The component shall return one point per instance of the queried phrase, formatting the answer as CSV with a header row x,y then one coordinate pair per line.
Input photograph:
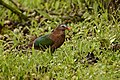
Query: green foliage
x,y
93,34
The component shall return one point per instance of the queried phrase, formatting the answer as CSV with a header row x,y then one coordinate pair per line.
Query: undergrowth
x,y
94,32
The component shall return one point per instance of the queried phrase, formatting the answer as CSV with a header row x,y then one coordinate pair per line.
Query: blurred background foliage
x,y
67,9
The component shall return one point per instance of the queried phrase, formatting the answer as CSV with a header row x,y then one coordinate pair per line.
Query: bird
x,y
53,40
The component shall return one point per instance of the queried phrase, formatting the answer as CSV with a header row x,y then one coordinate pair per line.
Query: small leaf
x,y
112,39
44,14
57,5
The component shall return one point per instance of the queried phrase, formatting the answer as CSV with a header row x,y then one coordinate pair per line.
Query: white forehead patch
x,y
64,25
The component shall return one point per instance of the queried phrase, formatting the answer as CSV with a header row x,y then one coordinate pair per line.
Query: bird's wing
x,y
43,41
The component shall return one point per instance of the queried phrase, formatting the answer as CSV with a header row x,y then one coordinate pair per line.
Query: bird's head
x,y
63,27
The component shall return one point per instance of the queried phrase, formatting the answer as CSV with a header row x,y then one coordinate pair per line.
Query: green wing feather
x,y
43,42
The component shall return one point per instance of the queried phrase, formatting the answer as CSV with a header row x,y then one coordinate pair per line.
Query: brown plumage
x,y
53,40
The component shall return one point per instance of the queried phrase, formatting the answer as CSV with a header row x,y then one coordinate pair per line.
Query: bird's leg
x,y
52,50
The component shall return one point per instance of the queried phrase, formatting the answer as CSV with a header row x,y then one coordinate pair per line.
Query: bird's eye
x,y
63,25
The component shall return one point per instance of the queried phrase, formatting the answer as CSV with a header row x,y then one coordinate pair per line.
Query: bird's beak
x,y
68,28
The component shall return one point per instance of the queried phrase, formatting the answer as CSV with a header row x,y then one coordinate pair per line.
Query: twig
x,y
14,10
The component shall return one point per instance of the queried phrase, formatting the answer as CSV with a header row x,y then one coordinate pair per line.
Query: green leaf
x,y
46,15
57,5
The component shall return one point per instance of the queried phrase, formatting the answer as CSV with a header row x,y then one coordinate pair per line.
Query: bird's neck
x,y
58,33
